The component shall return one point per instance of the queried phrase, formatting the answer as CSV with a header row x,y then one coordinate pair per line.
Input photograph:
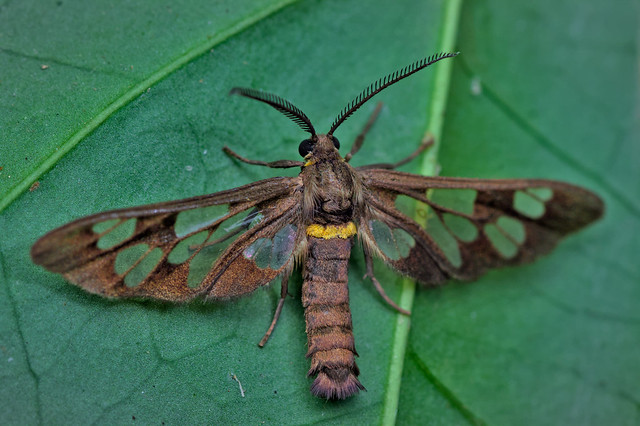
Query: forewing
x,y
181,249
469,225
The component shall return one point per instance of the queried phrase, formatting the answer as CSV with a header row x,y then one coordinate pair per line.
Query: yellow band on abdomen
x,y
332,231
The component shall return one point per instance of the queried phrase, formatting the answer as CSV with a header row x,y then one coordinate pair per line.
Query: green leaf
x,y
133,109
553,342
544,89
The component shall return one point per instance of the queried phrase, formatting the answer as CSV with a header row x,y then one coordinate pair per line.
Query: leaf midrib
x,y
439,95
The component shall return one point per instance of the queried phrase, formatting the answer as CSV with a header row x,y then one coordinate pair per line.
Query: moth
x,y
229,243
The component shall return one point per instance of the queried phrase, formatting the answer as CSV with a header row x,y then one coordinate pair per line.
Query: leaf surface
x,y
542,90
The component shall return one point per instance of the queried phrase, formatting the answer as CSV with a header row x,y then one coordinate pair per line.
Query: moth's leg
x,y
369,262
280,164
357,144
426,143
283,294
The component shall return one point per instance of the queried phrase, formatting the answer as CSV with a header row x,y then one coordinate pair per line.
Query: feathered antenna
x,y
282,105
383,83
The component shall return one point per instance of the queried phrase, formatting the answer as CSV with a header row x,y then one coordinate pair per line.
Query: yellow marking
x,y
331,231
310,162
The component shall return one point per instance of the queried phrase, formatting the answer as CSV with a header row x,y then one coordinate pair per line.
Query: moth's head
x,y
325,143
321,142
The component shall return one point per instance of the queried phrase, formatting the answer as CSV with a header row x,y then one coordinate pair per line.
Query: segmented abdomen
x,y
325,297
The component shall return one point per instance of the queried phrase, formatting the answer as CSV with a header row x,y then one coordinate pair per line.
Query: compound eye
x,y
336,142
305,147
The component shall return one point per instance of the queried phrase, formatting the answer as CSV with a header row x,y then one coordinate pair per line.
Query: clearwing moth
x,y
229,243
